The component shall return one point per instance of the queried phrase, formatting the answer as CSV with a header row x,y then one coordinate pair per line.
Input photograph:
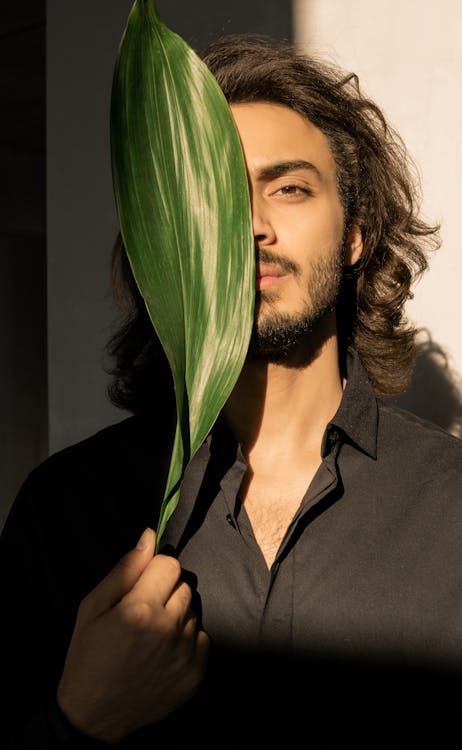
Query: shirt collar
x,y
356,419
357,415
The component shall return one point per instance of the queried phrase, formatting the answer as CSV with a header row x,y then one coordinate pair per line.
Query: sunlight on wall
x,y
409,59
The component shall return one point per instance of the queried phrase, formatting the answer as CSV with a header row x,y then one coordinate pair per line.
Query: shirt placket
x,y
280,601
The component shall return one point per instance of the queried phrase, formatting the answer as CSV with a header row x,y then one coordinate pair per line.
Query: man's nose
x,y
263,229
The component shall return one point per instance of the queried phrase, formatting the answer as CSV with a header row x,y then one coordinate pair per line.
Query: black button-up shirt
x,y
369,565
353,638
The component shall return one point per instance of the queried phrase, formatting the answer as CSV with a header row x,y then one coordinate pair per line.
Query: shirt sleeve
x,y
64,734
39,597
74,517
48,729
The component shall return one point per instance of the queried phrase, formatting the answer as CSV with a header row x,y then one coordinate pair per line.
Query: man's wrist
x,y
64,733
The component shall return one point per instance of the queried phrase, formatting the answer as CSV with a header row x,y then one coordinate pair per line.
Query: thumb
x,y
123,576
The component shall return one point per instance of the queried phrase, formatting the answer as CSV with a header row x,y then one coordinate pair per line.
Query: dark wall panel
x,y
82,40
23,371
204,20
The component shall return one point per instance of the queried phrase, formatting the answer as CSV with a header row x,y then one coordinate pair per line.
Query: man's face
x,y
298,223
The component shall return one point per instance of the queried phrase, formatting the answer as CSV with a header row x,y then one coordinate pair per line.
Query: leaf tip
x,y
148,8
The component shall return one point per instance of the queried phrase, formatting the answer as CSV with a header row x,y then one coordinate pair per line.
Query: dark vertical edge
x,y
23,299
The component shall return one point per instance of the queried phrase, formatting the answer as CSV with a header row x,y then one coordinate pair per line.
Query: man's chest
x,y
337,581
271,506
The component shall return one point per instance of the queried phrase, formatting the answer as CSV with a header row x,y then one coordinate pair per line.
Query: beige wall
x,y
408,55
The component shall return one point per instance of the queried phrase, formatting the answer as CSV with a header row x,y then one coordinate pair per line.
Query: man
x,y
308,588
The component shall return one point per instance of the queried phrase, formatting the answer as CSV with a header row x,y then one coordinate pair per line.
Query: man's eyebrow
x,y
284,167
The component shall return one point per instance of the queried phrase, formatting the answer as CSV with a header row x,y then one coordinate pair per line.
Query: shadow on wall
x,y
435,392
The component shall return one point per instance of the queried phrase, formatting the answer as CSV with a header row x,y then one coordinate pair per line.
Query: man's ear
x,y
353,245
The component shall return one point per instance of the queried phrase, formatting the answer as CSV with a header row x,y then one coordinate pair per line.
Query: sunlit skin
x,y
277,411
296,209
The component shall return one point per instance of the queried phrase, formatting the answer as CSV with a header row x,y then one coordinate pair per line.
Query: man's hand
x,y
136,653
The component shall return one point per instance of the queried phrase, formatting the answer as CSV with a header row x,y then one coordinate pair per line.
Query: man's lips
x,y
268,274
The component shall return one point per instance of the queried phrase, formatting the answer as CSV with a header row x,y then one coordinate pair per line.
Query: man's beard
x,y
278,336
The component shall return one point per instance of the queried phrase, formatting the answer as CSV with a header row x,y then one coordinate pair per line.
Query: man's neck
x,y
276,409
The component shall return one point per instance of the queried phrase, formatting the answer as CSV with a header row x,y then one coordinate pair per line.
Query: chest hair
x,y
271,507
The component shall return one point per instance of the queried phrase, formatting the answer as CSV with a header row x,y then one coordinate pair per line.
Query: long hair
x,y
378,186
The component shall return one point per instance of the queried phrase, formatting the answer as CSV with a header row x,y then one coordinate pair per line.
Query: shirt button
x,y
230,520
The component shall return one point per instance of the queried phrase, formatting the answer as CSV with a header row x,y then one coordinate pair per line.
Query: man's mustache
x,y
266,256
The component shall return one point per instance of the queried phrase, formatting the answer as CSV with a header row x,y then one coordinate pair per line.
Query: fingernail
x,y
143,541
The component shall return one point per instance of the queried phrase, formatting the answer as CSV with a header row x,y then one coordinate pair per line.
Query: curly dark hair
x,y
379,188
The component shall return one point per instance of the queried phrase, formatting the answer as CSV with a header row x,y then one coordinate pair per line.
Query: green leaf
x,y
183,204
